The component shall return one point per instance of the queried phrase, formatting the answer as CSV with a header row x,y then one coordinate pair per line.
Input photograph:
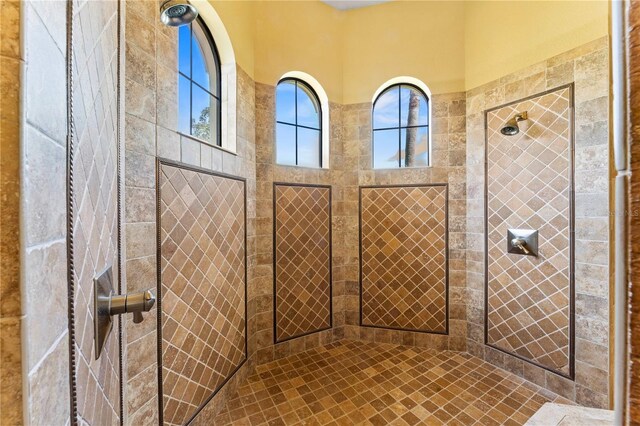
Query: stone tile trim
x,y
302,260
202,287
403,260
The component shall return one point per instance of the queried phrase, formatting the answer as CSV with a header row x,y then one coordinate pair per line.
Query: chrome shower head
x,y
511,127
175,13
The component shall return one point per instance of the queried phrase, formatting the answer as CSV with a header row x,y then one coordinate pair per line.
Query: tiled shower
x,y
287,294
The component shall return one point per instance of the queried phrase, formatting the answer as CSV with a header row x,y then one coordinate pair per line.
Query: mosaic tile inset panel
x,y
203,294
302,259
529,184
403,237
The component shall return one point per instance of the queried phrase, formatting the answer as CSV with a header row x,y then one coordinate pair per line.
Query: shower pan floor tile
x,y
350,382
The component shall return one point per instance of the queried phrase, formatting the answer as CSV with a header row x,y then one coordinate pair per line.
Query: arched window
x,y
298,124
199,106
401,127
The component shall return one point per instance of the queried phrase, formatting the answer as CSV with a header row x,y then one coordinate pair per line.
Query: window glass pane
x,y
420,150
285,144
385,112
201,103
200,57
414,108
184,49
385,149
184,105
308,147
308,108
285,102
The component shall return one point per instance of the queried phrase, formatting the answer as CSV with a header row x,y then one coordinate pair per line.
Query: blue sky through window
x,y
198,91
298,128
390,123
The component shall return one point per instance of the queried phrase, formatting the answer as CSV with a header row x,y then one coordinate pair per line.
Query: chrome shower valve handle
x,y
106,305
135,303
521,244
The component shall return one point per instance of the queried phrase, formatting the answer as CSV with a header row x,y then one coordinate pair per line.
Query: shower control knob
x,y
521,244
106,305
136,303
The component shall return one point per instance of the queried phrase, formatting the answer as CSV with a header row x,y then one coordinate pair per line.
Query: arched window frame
x,y
212,62
424,90
323,100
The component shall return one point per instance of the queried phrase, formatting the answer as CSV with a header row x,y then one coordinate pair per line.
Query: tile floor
x,y
348,383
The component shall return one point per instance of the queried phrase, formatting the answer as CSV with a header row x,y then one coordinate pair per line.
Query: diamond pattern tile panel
x,y
302,259
404,257
95,204
529,180
203,286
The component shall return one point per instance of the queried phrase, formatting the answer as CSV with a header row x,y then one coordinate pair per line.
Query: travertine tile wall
x,y
267,172
151,132
529,186
45,351
403,238
11,57
302,285
95,202
350,167
203,287
447,166
587,67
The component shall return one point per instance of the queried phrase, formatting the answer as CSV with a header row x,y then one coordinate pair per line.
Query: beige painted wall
x,y
503,37
238,18
423,39
299,36
450,45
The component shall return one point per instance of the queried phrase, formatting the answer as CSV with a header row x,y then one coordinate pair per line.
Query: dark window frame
x,y
315,98
400,127
218,98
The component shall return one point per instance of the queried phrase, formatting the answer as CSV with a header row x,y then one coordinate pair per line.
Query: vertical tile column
x,y
45,361
95,202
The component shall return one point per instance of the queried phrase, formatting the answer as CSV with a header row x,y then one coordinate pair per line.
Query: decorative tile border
x,y
301,239
419,300
196,378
